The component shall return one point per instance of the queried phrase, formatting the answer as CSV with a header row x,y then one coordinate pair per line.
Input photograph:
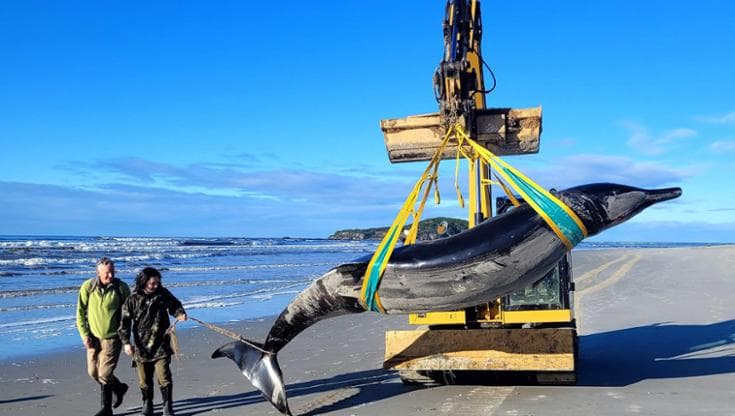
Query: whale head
x,y
604,205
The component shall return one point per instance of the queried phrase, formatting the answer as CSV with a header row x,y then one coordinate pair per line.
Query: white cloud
x,y
146,210
643,141
278,184
728,118
588,168
722,146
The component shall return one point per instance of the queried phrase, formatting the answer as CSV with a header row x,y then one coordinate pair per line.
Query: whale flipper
x,y
261,368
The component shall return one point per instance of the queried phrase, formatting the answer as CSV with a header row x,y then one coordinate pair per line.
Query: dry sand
x,y
657,331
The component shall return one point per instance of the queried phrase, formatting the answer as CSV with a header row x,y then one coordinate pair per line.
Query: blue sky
x,y
246,119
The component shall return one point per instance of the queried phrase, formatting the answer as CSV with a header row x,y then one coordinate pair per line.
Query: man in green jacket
x,y
99,308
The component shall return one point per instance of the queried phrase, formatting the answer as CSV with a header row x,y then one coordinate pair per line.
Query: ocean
x,y
217,279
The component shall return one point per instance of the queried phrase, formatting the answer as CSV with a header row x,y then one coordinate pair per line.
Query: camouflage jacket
x,y
146,316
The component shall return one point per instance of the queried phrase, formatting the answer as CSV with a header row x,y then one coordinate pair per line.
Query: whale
x,y
497,257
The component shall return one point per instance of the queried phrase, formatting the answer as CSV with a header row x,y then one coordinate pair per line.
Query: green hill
x,y
427,230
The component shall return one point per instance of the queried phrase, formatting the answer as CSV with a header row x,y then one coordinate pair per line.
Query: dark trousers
x,y
160,368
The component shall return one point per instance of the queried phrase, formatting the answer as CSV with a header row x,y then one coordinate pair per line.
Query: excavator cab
x,y
552,293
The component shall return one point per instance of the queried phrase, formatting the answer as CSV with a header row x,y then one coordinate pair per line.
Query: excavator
x,y
529,333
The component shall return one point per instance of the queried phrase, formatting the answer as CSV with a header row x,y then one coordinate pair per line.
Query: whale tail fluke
x,y
261,368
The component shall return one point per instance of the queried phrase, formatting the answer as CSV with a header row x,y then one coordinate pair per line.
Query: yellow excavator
x,y
531,332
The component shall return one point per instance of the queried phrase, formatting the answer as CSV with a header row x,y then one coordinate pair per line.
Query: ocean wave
x,y
30,262
29,249
207,242
31,244
36,307
88,271
10,294
38,321
253,294
245,267
68,325
35,292
269,296
176,269
236,282
50,262
91,244
137,243
208,305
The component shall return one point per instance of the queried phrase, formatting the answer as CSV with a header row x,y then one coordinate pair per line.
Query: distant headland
x,y
429,229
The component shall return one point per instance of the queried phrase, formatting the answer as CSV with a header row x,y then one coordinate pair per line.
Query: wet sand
x,y
657,336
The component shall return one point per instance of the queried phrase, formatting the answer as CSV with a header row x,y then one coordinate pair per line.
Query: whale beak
x,y
658,195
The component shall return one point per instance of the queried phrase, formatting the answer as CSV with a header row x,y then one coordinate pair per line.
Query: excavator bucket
x,y
505,131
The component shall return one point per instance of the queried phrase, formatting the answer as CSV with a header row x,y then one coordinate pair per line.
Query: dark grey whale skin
x,y
495,258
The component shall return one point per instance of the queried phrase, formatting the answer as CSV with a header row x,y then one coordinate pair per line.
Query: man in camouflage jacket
x,y
145,316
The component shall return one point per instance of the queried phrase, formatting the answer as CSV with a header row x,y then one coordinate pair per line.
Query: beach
x,y
657,336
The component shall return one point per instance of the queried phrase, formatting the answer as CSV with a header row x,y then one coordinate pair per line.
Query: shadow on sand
x,y
25,399
615,358
346,390
627,356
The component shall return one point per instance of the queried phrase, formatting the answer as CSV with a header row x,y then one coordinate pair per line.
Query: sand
x,y
657,336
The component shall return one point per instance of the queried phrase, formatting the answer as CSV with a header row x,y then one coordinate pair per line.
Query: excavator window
x,y
551,292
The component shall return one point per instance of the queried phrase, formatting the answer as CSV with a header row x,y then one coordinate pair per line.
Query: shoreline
x,y
577,253
642,344
232,324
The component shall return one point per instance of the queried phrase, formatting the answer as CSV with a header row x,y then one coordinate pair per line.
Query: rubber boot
x,y
118,390
106,398
168,404
147,409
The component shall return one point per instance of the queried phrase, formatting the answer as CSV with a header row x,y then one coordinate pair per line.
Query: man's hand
x,y
129,349
182,317
89,343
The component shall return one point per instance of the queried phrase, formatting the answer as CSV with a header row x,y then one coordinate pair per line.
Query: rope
x,y
230,334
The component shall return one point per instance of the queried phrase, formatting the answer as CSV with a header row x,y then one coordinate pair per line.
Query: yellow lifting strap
x,y
557,215
369,293
562,220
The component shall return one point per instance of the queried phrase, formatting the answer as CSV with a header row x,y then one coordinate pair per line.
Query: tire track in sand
x,y
599,269
630,261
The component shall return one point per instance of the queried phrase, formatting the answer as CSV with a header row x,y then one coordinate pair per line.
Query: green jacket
x,y
99,308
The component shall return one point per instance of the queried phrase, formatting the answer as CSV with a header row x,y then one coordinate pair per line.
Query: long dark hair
x,y
143,277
